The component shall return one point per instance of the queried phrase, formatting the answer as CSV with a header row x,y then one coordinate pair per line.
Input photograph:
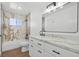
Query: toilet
x,y
24,45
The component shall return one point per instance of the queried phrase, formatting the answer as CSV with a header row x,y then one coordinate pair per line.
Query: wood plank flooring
x,y
15,53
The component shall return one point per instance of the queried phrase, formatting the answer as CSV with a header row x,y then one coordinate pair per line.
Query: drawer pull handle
x,y
39,44
31,46
39,51
55,52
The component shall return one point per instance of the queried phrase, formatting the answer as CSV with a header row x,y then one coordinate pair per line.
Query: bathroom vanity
x,y
45,46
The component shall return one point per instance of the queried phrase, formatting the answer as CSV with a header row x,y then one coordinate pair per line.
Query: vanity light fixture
x,y
51,7
61,4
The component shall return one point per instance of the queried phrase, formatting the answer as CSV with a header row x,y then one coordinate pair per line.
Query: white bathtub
x,y
14,44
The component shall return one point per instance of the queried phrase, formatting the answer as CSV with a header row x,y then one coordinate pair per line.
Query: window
x,y
16,22
12,21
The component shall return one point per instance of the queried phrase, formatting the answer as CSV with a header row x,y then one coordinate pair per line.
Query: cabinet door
x,y
59,52
37,42
31,50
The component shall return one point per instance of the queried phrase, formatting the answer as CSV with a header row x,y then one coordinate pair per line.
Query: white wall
x,y
36,22
36,16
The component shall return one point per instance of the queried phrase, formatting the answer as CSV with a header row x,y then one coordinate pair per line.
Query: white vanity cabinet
x,y
36,48
40,48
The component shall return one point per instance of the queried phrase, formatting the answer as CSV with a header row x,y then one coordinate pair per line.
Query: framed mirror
x,y
63,20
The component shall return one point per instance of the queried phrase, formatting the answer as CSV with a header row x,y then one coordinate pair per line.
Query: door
x,y
1,28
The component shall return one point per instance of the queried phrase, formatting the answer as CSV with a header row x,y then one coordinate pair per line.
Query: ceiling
x,y
23,8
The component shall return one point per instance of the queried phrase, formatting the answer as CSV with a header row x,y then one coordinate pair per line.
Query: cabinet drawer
x,y
59,51
39,52
35,51
31,40
37,42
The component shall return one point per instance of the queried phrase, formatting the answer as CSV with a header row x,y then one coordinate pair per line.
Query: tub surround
x,y
14,44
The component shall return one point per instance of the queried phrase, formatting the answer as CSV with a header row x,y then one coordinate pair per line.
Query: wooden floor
x,y
15,53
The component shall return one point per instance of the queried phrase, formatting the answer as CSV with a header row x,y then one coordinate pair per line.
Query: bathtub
x,y
14,44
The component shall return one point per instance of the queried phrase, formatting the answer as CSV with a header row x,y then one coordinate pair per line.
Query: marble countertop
x,y
69,44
